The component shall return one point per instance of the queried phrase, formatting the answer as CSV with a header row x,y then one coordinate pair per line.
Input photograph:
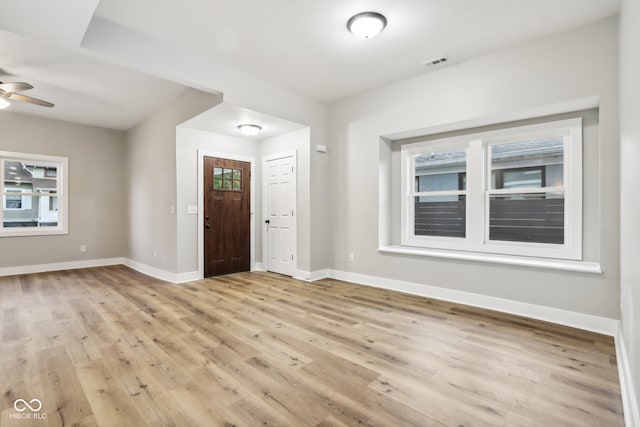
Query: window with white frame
x,y
33,192
516,191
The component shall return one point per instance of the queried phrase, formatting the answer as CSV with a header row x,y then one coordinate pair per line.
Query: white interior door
x,y
280,213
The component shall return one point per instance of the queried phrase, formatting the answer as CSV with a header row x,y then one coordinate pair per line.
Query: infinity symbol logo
x,y
27,405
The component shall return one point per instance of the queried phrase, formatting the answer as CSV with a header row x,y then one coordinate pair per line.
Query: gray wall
x,y
151,180
629,177
548,71
97,190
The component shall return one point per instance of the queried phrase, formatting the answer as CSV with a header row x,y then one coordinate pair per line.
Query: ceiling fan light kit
x,y
9,91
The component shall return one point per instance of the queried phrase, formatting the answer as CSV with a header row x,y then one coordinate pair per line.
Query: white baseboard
x,y
58,266
158,273
259,267
302,275
190,276
601,325
102,262
319,275
629,395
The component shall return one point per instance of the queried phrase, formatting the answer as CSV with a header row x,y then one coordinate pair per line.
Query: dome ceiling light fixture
x,y
249,129
366,25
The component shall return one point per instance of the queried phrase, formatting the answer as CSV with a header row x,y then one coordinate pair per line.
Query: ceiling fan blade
x,y
15,87
29,99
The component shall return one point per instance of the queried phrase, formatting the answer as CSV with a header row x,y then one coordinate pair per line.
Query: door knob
x,y
267,221
207,225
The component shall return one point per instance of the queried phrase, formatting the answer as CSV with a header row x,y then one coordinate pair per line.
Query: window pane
x,y
228,174
522,178
217,184
236,185
217,172
440,216
34,211
440,182
237,174
441,171
534,218
527,164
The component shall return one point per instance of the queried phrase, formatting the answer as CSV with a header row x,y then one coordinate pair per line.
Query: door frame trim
x,y
265,249
252,226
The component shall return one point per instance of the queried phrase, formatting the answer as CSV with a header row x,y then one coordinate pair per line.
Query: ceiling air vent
x,y
436,61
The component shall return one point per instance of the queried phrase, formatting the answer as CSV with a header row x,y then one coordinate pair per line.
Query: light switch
x,y
192,209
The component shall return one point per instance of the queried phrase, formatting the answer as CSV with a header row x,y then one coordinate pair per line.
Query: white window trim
x,y
477,193
62,194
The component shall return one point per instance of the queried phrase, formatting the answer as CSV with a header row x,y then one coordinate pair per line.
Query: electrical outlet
x,y
83,248
352,257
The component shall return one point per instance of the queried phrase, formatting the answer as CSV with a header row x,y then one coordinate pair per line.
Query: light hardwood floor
x,y
112,347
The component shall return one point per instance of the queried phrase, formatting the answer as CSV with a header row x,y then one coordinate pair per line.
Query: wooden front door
x,y
227,216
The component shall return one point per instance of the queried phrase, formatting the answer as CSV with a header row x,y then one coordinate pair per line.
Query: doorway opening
x,y
214,133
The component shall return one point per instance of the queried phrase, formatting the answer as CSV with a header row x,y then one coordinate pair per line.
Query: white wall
x,y
630,176
558,69
97,190
151,180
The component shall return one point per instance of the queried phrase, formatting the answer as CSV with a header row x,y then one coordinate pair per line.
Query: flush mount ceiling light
x,y
249,129
4,104
366,25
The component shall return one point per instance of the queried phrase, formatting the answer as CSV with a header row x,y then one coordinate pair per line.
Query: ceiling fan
x,y
9,90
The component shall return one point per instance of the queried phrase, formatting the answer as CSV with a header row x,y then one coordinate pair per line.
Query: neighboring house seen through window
x,y
33,194
515,191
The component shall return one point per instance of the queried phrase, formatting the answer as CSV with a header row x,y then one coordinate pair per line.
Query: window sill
x,y
554,264
23,233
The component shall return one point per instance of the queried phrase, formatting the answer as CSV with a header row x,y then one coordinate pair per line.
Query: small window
x,y
515,191
227,179
33,194
13,201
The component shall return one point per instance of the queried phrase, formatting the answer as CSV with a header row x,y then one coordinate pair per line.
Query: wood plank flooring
x,y
112,347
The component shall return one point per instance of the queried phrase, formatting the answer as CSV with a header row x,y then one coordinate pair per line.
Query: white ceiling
x,y
225,118
84,90
302,45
